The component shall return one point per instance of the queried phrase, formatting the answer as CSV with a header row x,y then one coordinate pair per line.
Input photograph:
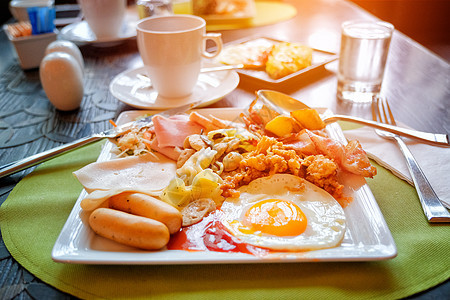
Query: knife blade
x,y
35,159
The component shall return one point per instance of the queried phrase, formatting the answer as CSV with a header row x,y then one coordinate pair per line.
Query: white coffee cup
x,y
104,17
172,48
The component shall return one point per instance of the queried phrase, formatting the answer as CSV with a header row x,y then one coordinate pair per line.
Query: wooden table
x,y
416,83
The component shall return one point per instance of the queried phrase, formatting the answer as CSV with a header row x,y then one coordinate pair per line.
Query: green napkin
x,y
36,210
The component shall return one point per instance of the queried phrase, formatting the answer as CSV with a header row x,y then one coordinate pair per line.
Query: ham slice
x,y
171,152
144,171
149,174
351,158
171,132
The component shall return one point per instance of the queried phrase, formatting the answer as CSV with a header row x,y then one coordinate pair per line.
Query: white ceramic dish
x,y
367,237
31,49
319,59
18,8
80,33
133,88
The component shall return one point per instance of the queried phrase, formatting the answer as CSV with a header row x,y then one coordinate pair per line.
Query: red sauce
x,y
211,235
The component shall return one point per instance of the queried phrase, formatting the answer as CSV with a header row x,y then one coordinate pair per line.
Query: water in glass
x,y
363,55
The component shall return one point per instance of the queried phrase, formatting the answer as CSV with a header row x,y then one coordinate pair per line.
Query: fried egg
x,y
252,54
284,212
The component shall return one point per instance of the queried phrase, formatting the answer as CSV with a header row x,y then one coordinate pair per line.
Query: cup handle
x,y
217,39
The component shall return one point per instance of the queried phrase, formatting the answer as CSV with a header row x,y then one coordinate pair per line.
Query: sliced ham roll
x,y
171,132
169,151
148,174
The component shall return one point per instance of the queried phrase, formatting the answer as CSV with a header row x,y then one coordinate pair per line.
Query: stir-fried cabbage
x,y
247,140
195,164
206,184
133,143
196,178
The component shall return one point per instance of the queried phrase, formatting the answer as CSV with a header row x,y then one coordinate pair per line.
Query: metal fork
x,y
30,161
432,206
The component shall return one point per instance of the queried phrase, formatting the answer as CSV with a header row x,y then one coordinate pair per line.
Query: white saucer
x,y
81,33
131,88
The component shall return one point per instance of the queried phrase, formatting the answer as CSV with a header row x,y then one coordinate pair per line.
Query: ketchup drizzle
x,y
211,235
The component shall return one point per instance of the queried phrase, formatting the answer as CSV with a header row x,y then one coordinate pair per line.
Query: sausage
x,y
129,229
148,206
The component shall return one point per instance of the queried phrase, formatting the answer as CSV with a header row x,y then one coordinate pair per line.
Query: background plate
x,y
319,59
80,33
130,88
367,237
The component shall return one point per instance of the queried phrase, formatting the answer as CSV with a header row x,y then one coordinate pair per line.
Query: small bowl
x,y
31,49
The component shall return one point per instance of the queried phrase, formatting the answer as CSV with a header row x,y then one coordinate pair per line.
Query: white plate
x,y
319,59
132,88
367,237
81,33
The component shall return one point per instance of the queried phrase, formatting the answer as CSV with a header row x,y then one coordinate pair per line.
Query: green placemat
x,y
37,208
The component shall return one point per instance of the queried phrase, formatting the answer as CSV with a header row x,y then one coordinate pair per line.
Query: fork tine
x,y
374,108
432,206
383,115
391,116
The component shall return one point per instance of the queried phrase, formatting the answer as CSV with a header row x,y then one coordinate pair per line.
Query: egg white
x,y
325,217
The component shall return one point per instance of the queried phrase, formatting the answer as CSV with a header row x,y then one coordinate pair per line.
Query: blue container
x,y
42,19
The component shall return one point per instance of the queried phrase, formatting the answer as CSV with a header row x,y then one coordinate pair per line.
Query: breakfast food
x,y
147,206
269,181
277,59
284,212
224,8
287,58
251,55
308,118
128,229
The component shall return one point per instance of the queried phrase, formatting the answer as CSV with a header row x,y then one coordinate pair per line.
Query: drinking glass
x,y
362,59
151,8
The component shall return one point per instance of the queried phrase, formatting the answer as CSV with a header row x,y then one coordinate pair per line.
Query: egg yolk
x,y
275,217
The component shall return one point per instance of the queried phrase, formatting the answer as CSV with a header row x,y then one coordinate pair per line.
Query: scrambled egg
x,y
272,157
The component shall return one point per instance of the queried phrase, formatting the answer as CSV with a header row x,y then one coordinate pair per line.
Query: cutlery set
x,y
432,206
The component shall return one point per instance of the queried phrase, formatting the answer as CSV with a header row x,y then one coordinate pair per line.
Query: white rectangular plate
x,y
367,237
319,59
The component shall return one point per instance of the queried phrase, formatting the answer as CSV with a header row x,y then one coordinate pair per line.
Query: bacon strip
x,y
356,160
351,158
301,143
